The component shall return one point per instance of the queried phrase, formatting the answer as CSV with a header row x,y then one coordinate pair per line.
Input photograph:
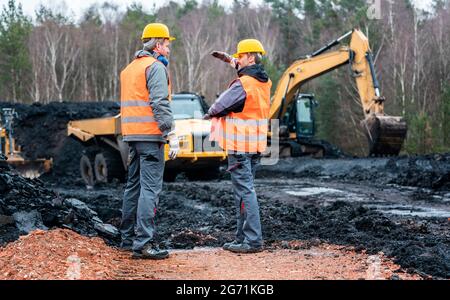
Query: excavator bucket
x,y
385,134
30,168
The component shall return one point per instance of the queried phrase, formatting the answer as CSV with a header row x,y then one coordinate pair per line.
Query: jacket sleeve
x,y
232,100
158,87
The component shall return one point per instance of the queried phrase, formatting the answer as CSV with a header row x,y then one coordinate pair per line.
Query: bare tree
x,y
260,22
62,54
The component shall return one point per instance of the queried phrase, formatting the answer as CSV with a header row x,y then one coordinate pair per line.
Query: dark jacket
x,y
233,99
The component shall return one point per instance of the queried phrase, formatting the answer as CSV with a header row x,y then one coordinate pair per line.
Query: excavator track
x,y
385,134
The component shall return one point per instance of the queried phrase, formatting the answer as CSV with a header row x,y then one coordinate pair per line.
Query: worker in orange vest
x,y
240,117
147,125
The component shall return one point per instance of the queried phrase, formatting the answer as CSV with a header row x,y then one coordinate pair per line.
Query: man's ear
x,y
251,58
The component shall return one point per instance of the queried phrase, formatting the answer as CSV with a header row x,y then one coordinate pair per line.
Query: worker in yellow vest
x,y
240,117
147,125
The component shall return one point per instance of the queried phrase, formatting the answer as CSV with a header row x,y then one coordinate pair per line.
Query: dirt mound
x,y
429,171
41,130
57,254
27,205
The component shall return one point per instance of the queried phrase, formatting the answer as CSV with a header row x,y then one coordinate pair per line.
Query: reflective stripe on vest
x,y
246,131
136,113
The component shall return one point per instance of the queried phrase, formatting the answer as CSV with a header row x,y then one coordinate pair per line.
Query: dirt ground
x,y
342,229
63,254
347,218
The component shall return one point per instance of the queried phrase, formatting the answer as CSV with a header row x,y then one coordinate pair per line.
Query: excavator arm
x,y
386,134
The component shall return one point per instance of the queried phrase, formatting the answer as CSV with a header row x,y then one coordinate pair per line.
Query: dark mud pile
x,y
202,214
429,171
27,205
41,130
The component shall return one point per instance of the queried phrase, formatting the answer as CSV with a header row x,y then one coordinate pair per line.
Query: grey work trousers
x,y
243,169
140,200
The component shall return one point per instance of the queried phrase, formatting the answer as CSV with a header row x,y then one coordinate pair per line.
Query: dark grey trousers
x,y
243,169
141,196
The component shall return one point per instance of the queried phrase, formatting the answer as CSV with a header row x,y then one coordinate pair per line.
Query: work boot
x,y
244,248
227,246
125,249
126,246
151,252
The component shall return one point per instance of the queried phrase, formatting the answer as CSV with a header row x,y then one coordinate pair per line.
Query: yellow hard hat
x,y
249,46
156,30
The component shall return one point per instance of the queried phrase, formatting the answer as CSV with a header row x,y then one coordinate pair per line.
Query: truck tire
x,y
108,165
87,171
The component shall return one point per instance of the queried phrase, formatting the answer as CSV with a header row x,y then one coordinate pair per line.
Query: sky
x,y
78,6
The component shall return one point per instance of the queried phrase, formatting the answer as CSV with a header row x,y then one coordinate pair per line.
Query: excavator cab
x,y
306,126
300,117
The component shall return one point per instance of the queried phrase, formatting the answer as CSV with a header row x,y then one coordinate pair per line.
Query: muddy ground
x,y
397,206
408,225
427,171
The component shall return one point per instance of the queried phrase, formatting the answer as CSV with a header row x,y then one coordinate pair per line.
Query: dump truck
x,y
105,155
13,152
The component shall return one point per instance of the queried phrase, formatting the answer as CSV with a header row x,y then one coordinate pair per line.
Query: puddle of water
x,y
446,198
313,191
420,211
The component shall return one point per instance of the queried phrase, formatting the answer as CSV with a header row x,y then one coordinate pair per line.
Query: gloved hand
x,y
223,56
174,145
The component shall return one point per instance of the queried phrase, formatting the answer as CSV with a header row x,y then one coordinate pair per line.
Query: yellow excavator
x,y
295,110
12,152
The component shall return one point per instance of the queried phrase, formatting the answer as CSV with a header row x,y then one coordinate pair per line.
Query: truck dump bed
x,y
86,130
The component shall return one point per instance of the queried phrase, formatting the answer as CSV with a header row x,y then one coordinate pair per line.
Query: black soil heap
x,y
26,205
41,130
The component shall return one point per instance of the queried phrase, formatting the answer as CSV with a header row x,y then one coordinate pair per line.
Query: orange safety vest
x,y
136,113
246,131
